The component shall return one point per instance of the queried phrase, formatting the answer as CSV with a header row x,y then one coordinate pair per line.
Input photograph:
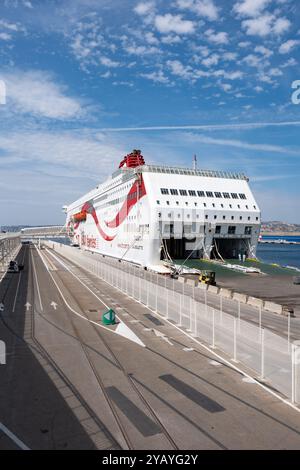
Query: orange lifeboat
x,y
80,216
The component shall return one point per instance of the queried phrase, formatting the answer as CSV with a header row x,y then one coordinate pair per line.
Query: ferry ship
x,y
151,215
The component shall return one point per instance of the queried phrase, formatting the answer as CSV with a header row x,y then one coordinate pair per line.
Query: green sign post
x,y
109,317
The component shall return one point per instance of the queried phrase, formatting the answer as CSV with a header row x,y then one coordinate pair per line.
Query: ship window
x,y
204,204
224,217
218,229
232,217
247,207
157,202
195,204
174,192
226,195
248,230
215,217
248,218
192,192
182,192
222,205
234,196
186,203
206,216
177,202
241,218
256,218
242,196
218,195
231,229
209,194
254,207
214,205
168,203
230,205
164,191
201,193
239,206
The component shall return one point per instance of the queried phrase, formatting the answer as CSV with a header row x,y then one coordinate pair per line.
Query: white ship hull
x,y
146,214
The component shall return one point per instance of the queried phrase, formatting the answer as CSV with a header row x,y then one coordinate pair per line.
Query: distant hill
x,y
279,227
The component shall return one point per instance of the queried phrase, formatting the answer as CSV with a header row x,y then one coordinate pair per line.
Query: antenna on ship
x,y
195,162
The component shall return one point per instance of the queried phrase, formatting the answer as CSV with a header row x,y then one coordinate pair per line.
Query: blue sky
x,y
89,80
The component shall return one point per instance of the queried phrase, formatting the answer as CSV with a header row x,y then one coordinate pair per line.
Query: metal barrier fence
x,y
270,356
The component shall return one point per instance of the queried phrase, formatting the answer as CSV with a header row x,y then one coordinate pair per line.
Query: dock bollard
x,y
109,317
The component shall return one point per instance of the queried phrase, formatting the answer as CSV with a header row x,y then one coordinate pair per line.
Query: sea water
x,y
285,255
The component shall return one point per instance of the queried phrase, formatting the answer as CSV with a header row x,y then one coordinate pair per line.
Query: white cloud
x,y
205,8
261,26
107,62
287,46
171,39
134,49
252,60
144,8
281,25
250,8
157,77
239,144
36,93
5,36
244,44
264,51
265,24
173,24
226,86
216,38
151,39
177,68
211,60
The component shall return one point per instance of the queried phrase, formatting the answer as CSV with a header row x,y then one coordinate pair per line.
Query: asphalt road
x,y
278,324
69,383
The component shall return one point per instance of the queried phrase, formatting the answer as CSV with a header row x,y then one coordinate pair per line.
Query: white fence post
x,y
140,289
295,365
167,305
234,340
195,318
156,295
213,329
260,329
239,315
289,332
262,337
180,310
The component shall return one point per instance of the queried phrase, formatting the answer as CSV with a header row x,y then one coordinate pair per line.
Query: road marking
x,y
54,305
119,332
13,437
188,349
36,280
27,305
19,280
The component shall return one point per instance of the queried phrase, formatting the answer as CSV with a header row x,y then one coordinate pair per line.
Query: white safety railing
x,y
273,359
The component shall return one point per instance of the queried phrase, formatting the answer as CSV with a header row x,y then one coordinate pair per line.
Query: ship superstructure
x,y
147,214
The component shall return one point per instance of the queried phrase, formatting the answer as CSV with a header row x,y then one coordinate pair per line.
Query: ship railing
x,y
274,359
